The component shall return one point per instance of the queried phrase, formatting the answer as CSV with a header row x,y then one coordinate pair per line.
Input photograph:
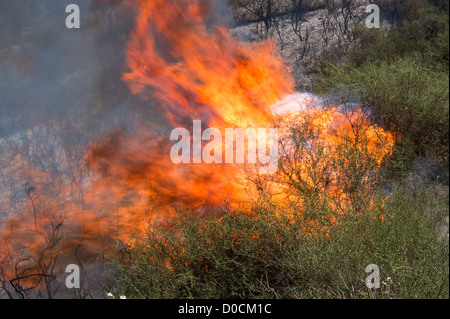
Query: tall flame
x,y
198,69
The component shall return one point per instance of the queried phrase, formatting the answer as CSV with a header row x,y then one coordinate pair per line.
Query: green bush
x,y
401,73
422,32
406,97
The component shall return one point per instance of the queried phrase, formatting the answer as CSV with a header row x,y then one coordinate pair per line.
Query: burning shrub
x,y
327,179
306,231
265,254
309,230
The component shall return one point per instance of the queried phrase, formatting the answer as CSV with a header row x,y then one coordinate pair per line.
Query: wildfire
x,y
197,71
181,56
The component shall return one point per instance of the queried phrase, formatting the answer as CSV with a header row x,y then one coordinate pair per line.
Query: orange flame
x,y
196,70
202,71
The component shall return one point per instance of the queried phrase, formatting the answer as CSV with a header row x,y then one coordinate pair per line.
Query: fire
x,y
180,56
196,70
200,70
333,151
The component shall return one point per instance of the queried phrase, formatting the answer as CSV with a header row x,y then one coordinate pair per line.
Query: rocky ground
x,y
302,40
